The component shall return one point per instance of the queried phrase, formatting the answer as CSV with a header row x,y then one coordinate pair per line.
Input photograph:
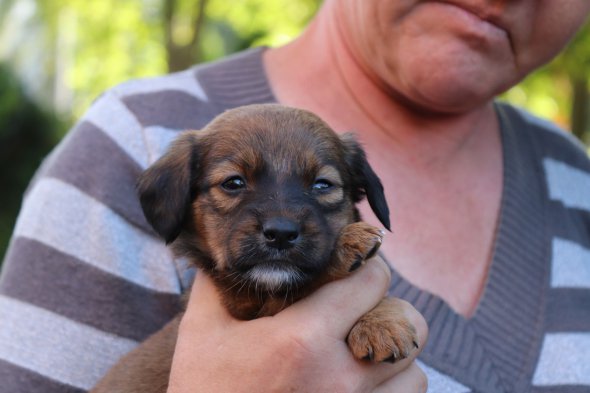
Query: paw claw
x,y
375,248
370,356
356,265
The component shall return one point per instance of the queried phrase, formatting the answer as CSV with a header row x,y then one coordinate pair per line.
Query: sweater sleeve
x,y
84,279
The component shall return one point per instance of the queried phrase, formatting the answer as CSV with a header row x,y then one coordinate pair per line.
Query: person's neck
x,y
319,72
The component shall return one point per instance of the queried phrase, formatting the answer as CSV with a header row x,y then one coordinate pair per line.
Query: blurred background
x,y
56,56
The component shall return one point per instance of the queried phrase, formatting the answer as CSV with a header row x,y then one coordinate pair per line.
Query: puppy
x,y
263,200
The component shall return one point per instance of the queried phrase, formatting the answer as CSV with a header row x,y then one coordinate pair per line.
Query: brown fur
x,y
263,200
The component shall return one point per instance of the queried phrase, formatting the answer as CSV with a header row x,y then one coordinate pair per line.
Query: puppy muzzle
x,y
282,254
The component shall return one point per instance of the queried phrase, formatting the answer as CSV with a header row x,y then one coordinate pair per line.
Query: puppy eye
x,y
322,185
234,183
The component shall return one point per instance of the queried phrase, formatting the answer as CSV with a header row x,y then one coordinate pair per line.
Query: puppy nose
x,y
280,232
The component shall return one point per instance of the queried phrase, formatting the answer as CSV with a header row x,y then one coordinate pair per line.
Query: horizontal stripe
x,y
62,217
184,81
237,80
564,359
55,347
170,109
80,161
15,379
570,266
159,139
568,310
110,115
441,383
42,276
569,185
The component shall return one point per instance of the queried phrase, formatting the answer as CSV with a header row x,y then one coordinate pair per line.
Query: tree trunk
x,y
180,57
580,107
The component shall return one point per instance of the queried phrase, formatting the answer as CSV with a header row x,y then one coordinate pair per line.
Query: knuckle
x,y
292,352
417,320
378,274
298,345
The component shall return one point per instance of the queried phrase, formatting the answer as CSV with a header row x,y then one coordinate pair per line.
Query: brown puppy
x,y
263,200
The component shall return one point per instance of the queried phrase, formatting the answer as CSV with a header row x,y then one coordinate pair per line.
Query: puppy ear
x,y
365,180
165,188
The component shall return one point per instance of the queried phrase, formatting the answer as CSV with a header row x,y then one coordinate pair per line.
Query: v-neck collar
x,y
497,349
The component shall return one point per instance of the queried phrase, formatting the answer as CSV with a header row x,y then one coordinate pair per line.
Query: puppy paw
x,y
383,334
357,243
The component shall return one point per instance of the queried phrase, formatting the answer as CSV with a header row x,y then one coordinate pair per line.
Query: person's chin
x,y
450,98
449,73
450,88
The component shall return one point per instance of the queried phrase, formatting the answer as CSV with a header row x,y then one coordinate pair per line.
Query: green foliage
x,y
575,59
245,23
92,45
549,92
104,42
27,133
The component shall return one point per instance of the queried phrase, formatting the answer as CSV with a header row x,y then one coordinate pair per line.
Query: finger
x,y
205,300
418,321
338,305
411,380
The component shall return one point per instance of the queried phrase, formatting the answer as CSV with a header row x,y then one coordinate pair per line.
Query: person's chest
x,y
443,236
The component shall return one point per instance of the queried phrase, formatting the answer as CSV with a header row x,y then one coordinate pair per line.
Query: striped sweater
x,y
85,279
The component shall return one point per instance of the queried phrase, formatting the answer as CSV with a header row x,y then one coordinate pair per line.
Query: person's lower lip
x,y
470,22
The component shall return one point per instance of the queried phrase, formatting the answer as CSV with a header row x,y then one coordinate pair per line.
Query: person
x,y
490,213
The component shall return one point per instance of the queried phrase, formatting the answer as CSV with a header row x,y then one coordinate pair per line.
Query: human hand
x,y
302,348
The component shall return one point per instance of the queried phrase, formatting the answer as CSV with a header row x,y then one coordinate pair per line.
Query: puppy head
x,y
260,195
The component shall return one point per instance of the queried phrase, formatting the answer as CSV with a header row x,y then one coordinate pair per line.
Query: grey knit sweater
x,y
85,278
